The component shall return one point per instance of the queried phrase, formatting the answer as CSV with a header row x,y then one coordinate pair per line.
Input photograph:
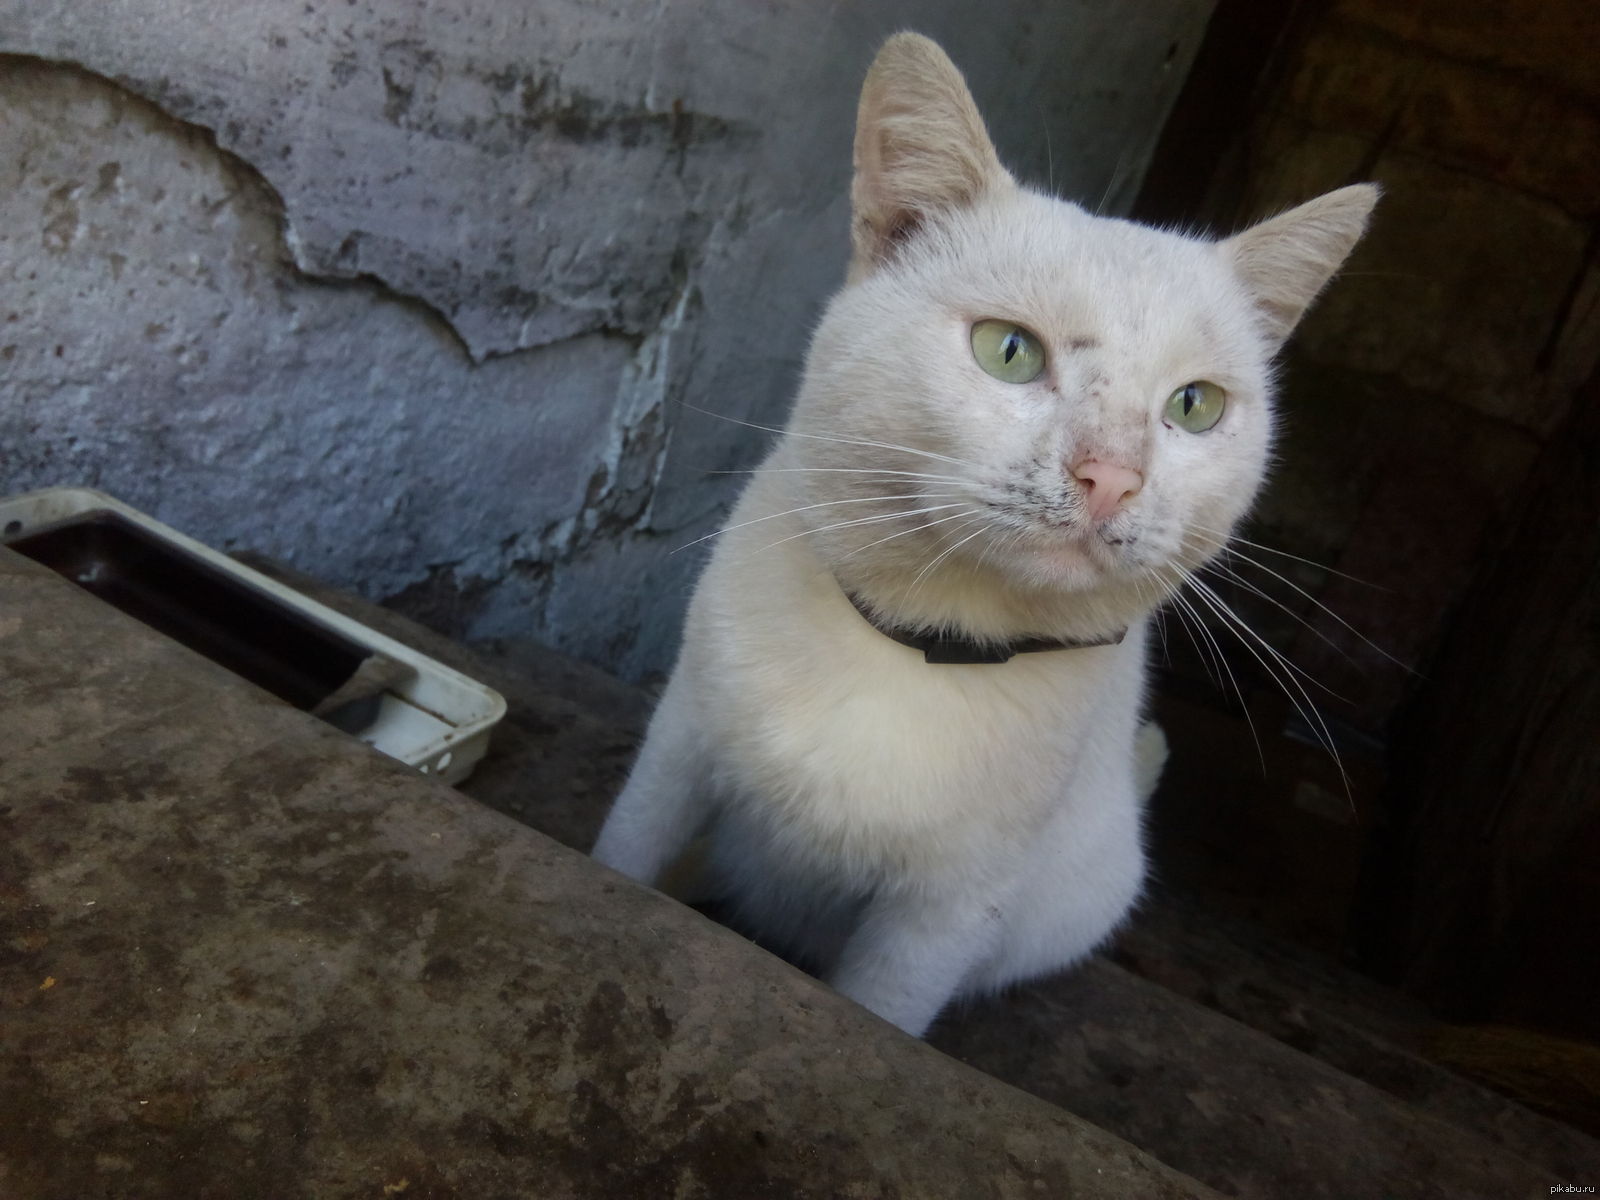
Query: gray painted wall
x,y
417,296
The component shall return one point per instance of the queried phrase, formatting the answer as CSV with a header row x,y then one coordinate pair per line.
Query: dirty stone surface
x,y
243,956
1247,1114
1263,1070
1371,1032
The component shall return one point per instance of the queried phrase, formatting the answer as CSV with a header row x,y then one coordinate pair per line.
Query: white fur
x,y
914,831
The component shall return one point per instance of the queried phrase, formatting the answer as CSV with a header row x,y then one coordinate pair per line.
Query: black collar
x,y
947,648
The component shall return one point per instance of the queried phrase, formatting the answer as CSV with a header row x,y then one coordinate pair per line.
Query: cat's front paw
x,y
1149,757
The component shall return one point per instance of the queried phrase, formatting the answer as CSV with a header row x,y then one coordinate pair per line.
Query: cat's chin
x,y
1065,565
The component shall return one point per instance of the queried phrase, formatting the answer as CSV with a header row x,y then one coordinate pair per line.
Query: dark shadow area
x,y
1428,552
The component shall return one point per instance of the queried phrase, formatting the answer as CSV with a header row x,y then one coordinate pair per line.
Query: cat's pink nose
x,y
1105,486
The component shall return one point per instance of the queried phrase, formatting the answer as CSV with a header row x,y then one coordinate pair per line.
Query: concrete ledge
x,y
1146,1059
244,956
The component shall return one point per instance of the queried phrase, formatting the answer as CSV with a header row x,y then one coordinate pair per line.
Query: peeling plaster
x,y
205,363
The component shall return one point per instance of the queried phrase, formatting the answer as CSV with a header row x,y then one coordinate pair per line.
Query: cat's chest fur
x,y
863,757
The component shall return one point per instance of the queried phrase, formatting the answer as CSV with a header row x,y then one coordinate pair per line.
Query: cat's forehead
x,y
1073,274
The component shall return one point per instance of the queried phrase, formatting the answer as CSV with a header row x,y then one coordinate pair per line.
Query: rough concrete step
x,y
1237,1108
1213,1098
244,957
1340,1016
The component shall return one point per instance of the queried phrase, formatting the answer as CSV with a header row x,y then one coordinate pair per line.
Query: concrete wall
x,y
415,296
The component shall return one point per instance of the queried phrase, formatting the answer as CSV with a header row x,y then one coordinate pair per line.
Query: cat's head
x,y
1064,406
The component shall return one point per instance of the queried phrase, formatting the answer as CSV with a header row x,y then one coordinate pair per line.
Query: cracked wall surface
x,y
417,297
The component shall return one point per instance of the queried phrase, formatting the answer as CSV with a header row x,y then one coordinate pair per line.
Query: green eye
x,y
1196,406
1008,352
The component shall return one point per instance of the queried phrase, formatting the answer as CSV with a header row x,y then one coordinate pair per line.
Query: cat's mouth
x,y
1064,547
1105,539
1075,555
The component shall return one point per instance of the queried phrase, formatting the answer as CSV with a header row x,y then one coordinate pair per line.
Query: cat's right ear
x,y
921,149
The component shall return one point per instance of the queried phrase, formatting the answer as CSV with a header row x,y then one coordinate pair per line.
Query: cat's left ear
x,y
1286,261
921,149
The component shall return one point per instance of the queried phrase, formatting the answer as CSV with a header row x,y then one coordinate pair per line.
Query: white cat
x,y
1019,423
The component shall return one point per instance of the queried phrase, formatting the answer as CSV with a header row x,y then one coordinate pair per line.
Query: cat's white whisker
x,y
1227,541
1154,605
1049,154
885,472
1138,590
1193,579
983,527
904,532
877,519
1284,579
1185,619
1205,642
843,441
1117,173
1222,659
1406,667
1232,576
1308,712
1160,618
808,508
995,543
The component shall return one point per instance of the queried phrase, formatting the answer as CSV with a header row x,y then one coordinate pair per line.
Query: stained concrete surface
x,y
1261,1069
242,955
415,295
1251,1116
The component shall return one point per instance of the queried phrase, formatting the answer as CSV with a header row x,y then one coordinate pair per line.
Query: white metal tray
x,y
437,720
